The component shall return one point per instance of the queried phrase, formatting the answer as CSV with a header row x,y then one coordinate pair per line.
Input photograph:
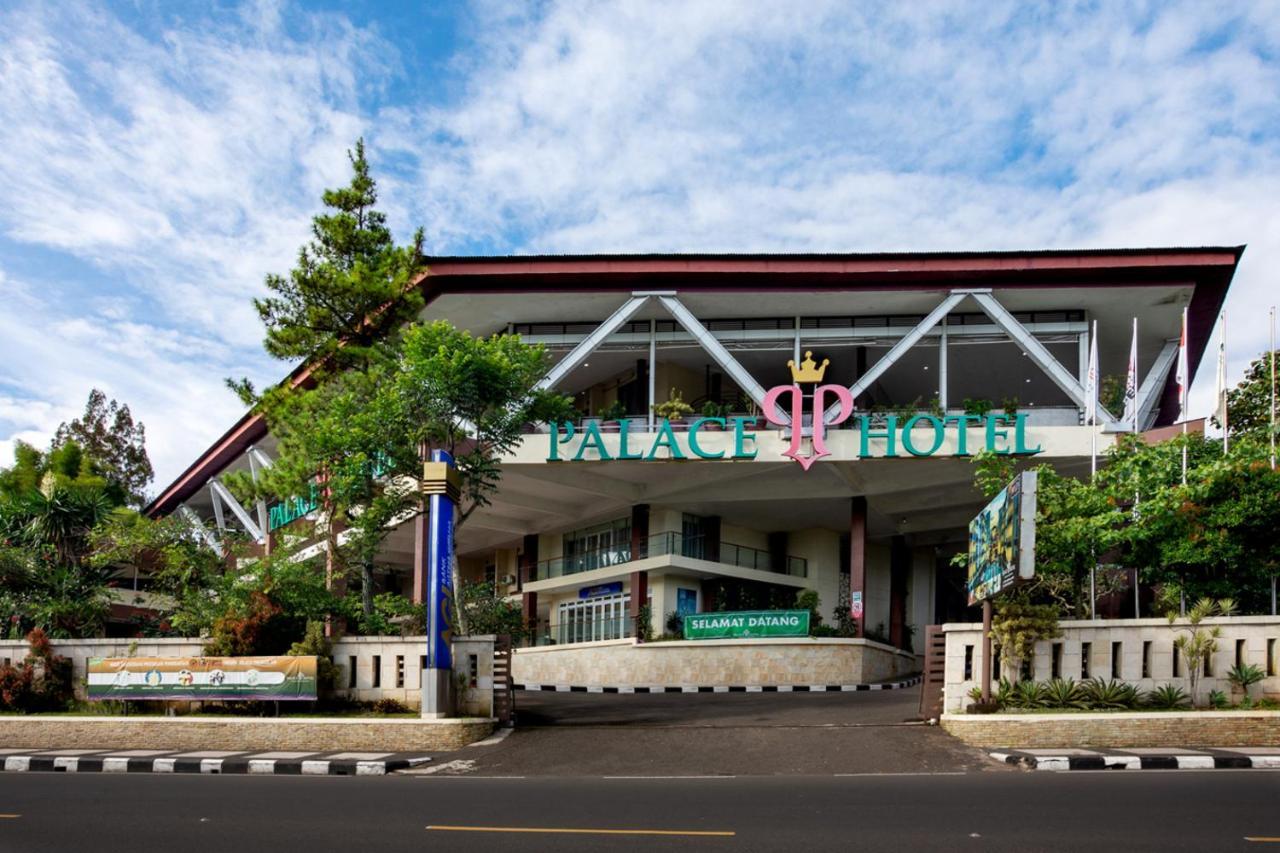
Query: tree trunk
x,y
366,587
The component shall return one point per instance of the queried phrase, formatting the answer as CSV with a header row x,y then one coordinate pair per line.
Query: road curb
x,y
719,688
245,765
1119,759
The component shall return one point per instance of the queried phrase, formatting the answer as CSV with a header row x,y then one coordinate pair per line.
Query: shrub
x,y
1168,697
314,642
675,625
390,706
644,623
1018,626
1064,693
1218,699
1109,695
42,682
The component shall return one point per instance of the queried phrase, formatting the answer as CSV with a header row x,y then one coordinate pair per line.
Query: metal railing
x,y
670,543
547,633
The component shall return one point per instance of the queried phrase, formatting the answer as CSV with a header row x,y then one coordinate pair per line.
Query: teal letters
x,y
693,438
890,435
592,438
939,435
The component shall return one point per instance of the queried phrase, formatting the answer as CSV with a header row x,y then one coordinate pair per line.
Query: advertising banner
x,y
1002,540
440,559
272,678
746,624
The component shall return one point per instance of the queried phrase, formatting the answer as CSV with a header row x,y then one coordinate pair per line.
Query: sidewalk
x,y
1143,758
207,761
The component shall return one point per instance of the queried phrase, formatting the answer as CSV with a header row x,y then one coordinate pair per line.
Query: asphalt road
x,y
1019,811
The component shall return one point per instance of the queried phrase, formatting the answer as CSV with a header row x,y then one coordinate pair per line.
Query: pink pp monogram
x,y
775,416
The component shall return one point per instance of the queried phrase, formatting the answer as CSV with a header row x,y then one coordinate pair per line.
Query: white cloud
x,y
185,166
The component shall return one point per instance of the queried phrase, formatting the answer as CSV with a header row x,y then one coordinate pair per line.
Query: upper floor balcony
x,y
671,543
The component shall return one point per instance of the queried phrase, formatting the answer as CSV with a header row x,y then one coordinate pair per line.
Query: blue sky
x,y
158,159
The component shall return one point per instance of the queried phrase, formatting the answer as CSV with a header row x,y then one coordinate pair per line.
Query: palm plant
x,y
1029,695
1245,675
1197,645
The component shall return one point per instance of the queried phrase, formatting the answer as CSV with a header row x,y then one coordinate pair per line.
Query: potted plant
x,y
674,408
612,414
712,409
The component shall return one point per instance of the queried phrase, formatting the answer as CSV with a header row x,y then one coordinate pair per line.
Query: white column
x,y
653,367
942,365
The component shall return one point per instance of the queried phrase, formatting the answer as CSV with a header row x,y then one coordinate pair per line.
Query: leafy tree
x,y
1196,644
351,288
489,613
116,444
1249,403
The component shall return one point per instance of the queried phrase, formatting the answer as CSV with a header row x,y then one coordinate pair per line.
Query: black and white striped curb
x,y
1142,759
722,688
128,761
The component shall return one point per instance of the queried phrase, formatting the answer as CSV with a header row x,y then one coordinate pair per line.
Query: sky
x,y
159,159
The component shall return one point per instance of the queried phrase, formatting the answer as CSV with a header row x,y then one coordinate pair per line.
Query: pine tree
x,y
352,285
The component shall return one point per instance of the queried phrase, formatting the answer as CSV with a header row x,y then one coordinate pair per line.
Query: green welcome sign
x,y
746,624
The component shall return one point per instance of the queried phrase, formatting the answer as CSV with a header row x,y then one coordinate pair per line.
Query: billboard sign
x,y
1002,540
746,624
272,678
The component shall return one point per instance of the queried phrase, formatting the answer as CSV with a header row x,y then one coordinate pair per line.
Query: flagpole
x,y
1092,403
1184,369
1222,379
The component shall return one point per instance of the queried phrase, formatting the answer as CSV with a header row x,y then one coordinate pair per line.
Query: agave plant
x,y
1109,695
1029,694
1004,693
1246,674
1168,697
1064,693
1218,699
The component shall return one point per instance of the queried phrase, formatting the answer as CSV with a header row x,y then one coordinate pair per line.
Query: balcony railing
x,y
670,542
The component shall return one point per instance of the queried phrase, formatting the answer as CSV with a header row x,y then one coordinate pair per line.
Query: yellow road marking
x,y
566,831
10,815
1262,839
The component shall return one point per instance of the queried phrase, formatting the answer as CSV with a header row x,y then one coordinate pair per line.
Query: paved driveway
x,y
734,734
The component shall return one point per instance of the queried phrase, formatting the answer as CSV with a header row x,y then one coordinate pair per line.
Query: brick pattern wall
x,y
1086,731
800,661
185,733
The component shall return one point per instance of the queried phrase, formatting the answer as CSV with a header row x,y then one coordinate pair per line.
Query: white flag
x,y
1183,379
1091,381
1131,382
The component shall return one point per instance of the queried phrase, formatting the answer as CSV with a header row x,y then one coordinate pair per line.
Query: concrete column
x,y
528,568
420,527
639,597
858,561
639,531
529,606
899,566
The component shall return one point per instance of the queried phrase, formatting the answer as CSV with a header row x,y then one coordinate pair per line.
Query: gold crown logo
x,y
809,370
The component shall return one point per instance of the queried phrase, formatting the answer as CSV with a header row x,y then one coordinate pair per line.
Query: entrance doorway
x,y
601,618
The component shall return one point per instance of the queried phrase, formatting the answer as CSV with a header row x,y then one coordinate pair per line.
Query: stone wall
x,y
370,668
798,661
1116,730
241,734
1145,654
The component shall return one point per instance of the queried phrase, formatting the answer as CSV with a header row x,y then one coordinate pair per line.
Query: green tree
x,y
116,445
1249,403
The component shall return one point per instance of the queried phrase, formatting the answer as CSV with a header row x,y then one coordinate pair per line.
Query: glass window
x,y
598,546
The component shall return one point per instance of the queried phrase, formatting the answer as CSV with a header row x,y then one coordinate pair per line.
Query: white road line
x,y
668,777
494,739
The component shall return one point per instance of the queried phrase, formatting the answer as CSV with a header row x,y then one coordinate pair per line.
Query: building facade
x,y
834,404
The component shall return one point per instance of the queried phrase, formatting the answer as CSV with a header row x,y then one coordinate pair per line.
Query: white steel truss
x,y
203,532
221,494
1002,319
1153,384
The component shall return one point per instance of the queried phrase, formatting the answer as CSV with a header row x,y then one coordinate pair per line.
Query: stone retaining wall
x,y
1137,651
369,668
241,734
1119,730
779,661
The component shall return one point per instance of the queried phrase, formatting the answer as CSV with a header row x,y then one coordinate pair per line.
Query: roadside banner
x,y
746,624
272,678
